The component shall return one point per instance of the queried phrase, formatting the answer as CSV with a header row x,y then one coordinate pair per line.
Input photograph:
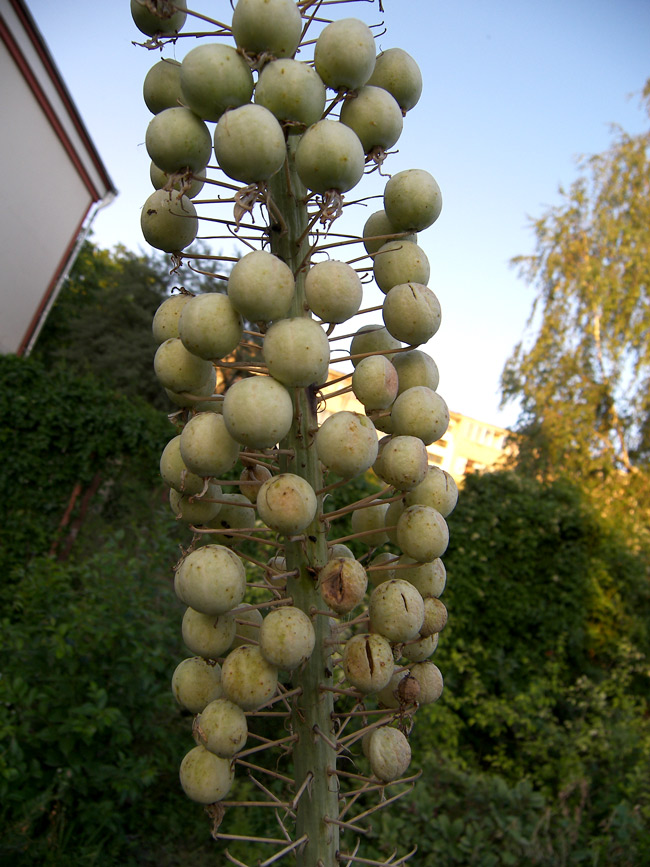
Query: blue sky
x,y
514,92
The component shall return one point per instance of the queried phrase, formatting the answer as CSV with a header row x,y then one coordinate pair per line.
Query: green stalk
x,y
314,758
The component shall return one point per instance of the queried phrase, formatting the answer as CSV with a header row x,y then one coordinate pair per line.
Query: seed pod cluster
x,y
280,613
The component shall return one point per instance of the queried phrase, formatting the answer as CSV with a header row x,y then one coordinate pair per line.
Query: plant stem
x,y
313,754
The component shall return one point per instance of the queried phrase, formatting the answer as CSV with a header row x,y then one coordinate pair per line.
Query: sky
x,y
515,91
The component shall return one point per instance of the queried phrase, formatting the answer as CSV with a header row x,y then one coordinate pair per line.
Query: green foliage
x,y
57,432
89,733
545,656
584,378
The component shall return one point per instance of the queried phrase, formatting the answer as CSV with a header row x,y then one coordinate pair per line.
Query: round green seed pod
x,y
340,550
399,74
162,85
207,635
411,313
195,510
347,443
399,262
177,139
267,27
287,503
222,728
420,649
191,185
420,412
330,156
168,221
374,382
379,576
251,479
174,471
165,320
412,200
403,462
389,753
370,520
292,91
297,352
247,678
213,78
199,399
387,697
435,617
178,369
376,227
333,291
368,662
258,411
196,682
209,326
415,368
287,637
344,55
428,578
261,286
438,490
211,580
206,447
248,622
342,583
422,533
170,20
429,677
375,117
393,514
396,610
249,144
236,513
373,339
205,778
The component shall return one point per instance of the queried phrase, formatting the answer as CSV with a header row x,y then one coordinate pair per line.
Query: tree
x,y
583,380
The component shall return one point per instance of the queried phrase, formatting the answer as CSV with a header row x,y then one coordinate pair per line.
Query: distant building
x,y
468,446
54,179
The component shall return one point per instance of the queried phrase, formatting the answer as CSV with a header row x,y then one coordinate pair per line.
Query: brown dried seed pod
x,y
342,584
368,662
408,690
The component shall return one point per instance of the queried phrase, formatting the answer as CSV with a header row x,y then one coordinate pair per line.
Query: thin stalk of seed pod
x,y
262,770
267,746
360,535
359,504
284,851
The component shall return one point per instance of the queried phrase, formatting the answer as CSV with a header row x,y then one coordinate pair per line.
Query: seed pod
x,y
237,513
196,682
387,697
258,411
169,21
195,510
396,610
376,226
247,678
369,518
209,326
208,635
174,470
292,90
222,728
287,503
206,446
422,533
342,583
374,382
379,576
403,462
287,637
411,313
165,320
251,479
429,677
368,662
249,144
178,369
435,617
176,139
347,443
389,753
205,778
215,77
399,74
415,368
412,200
333,290
211,579
375,117
267,26
297,352
345,54
418,651
261,286
438,490
373,339
428,578
248,622
400,262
